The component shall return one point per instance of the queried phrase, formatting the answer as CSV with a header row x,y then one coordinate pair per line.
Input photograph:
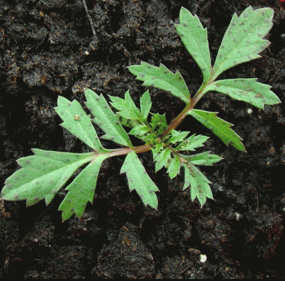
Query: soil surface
x,y
50,48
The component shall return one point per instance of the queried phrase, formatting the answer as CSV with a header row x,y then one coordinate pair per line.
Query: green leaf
x,y
204,158
81,190
162,159
194,37
145,105
192,143
219,127
247,90
106,119
243,39
139,180
162,78
127,122
78,123
139,130
43,175
158,123
126,107
199,184
157,149
177,136
174,167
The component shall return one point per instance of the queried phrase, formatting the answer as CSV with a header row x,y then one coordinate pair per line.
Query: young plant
x,y
44,174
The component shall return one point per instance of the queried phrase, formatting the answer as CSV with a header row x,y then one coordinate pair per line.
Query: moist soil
x,y
50,48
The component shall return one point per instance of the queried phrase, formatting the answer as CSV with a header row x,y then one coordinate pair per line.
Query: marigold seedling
x,y
46,172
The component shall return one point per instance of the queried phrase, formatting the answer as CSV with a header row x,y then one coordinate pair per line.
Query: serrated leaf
x,y
126,107
139,180
127,122
106,119
43,175
78,123
162,159
192,143
243,39
219,127
158,123
174,167
139,130
247,90
81,190
199,184
204,158
145,105
157,149
162,78
177,136
195,39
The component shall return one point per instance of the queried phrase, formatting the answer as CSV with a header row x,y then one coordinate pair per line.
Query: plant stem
x,y
176,122
173,125
124,151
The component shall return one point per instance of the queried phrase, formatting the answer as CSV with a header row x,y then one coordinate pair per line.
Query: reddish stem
x,y
173,125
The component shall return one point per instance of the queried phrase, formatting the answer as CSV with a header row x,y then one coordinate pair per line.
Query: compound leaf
x,y
219,127
81,190
139,180
126,107
243,39
106,119
78,123
42,175
199,184
162,78
247,90
194,37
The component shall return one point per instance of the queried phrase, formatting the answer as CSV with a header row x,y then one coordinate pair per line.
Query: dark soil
x,y
48,48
